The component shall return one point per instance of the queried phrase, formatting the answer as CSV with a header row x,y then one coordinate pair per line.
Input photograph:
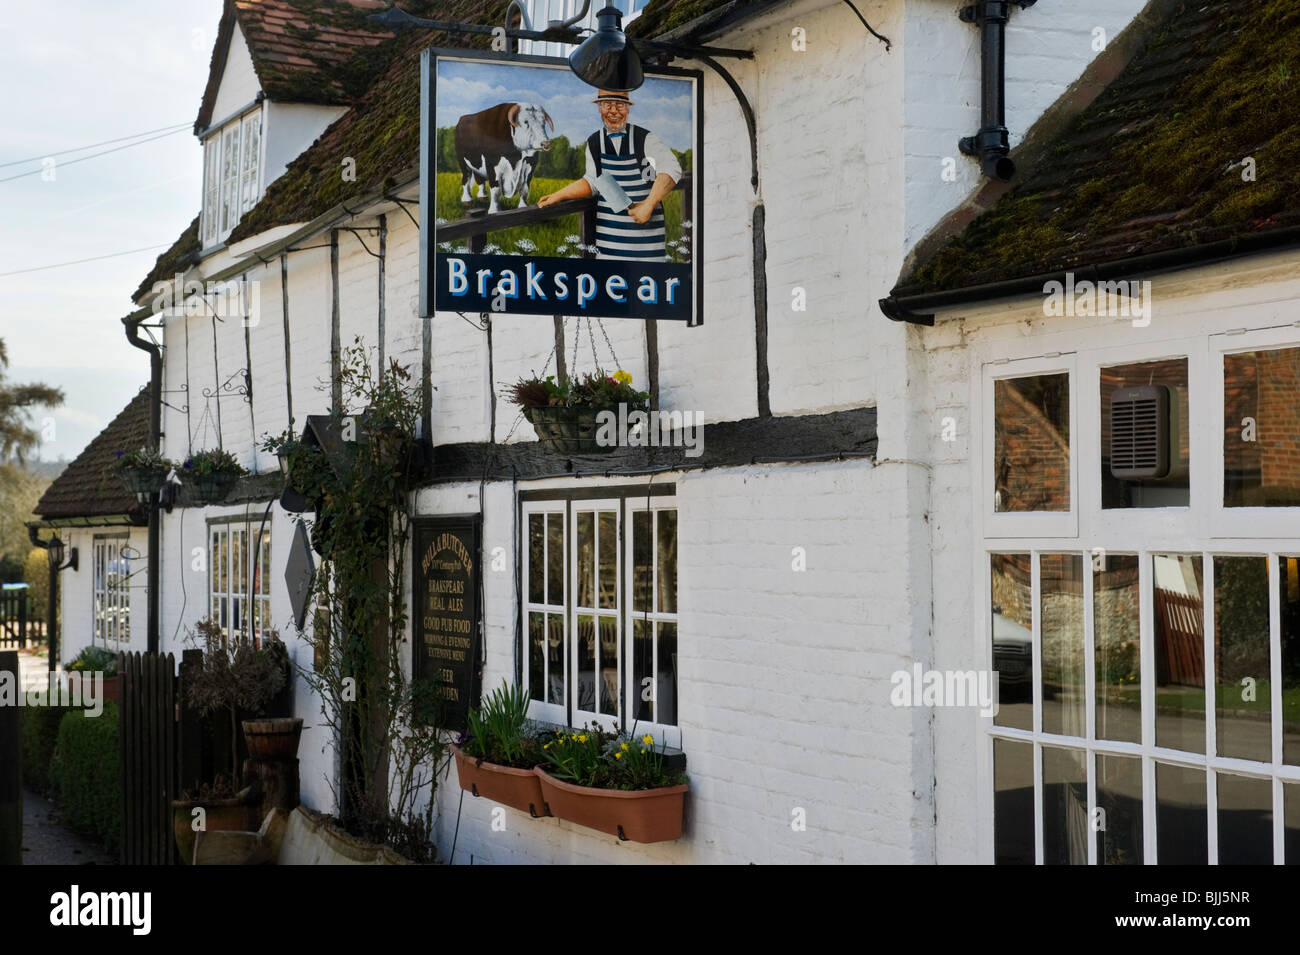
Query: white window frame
x,y
567,509
233,156
542,11
1204,528
251,597
111,594
1237,522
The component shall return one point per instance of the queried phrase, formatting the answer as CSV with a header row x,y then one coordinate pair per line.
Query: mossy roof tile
x,y
1154,164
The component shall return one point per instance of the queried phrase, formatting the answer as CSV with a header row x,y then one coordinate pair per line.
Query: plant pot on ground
x,y
224,810
235,676
618,785
92,660
496,759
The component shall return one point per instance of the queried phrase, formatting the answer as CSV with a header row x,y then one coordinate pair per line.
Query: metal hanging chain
x,y
577,333
591,339
608,344
520,416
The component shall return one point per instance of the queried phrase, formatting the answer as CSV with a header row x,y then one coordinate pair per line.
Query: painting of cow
x,y
498,147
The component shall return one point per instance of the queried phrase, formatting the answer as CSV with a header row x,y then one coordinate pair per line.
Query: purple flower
x,y
189,462
118,454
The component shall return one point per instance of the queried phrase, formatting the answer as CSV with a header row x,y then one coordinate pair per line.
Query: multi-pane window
x,y
600,610
231,175
112,595
239,578
1149,660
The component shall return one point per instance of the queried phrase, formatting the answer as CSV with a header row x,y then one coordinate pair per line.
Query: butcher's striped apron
x,y
618,235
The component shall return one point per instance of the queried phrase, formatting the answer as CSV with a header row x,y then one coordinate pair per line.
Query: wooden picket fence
x,y
148,757
15,608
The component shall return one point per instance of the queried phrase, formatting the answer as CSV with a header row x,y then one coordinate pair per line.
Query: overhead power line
x,y
93,258
70,162
106,142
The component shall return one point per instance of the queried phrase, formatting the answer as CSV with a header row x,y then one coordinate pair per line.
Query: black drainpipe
x,y
991,144
155,434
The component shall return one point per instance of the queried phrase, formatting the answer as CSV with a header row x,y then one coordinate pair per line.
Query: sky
x,y
662,105
74,73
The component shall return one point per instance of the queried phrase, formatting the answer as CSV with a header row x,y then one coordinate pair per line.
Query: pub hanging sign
x,y
540,195
445,615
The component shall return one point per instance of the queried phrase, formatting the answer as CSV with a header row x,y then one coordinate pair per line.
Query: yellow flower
x,y
582,738
648,739
622,377
618,755
624,746
643,749
546,746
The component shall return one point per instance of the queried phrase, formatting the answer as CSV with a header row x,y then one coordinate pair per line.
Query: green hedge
x,y
40,729
86,774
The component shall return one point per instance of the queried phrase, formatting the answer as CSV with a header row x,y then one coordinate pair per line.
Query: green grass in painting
x,y
553,237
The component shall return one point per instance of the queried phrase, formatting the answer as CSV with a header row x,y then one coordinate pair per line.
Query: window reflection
x,y
1065,807
1013,802
1180,816
1288,593
1116,616
1245,820
1031,443
1261,418
1119,797
1171,490
1013,640
1243,696
1179,619
1061,612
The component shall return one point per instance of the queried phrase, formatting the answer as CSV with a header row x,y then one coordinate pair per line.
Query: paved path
x,y
47,841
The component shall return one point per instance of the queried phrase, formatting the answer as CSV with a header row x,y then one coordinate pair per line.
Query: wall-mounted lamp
x,y
55,550
606,60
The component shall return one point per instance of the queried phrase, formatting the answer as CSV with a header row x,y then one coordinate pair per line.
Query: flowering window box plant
x,y
566,414
142,471
497,756
614,784
212,473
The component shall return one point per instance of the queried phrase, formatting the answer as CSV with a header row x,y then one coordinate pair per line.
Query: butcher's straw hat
x,y
617,96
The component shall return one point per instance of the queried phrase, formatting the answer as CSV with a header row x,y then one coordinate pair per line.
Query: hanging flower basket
x,y
142,480
215,487
567,430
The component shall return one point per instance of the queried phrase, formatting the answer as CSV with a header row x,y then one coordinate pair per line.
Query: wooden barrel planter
x,y
634,815
273,738
568,430
517,788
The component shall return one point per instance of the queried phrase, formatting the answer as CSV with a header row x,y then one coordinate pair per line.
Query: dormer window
x,y
232,162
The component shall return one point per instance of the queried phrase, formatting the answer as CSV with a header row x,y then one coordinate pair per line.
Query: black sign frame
x,y
429,255
459,667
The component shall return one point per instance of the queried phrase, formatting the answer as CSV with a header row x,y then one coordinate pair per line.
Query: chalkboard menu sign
x,y
445,617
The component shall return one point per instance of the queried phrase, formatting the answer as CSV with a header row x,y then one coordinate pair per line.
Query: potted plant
x,y
213,474
98,660
223,810
237,676
566,414
497,756
613,784
142,471
273,737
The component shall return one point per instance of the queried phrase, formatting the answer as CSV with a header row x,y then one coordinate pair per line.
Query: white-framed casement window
x,y
239,581
232,162
541,12
1149,657
112,594
599,582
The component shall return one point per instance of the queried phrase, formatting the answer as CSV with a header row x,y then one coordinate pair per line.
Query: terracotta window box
x,y
517,788
636,815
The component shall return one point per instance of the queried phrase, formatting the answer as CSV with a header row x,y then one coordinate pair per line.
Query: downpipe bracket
x,y
992,143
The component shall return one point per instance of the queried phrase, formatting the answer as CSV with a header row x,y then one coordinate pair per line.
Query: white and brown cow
x,y
498,146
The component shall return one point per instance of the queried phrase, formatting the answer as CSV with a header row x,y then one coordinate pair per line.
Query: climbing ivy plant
x,y
361,478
